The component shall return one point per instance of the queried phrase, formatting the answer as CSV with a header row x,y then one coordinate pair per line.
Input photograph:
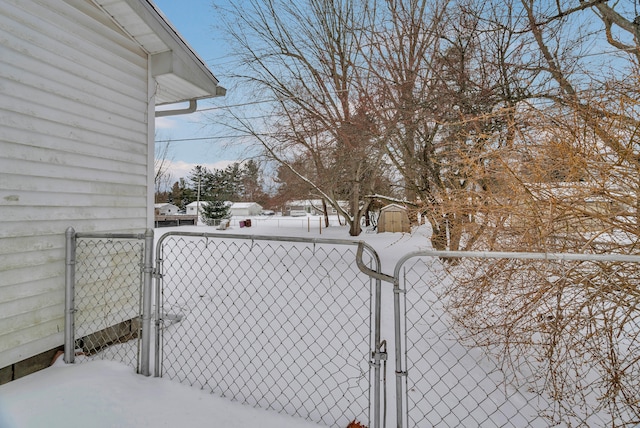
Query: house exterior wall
x,y
245,209
74,132
165,209
240,211
195,208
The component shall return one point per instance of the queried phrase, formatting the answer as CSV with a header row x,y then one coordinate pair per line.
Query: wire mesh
x,y
287,324
108,288
273,323
516,342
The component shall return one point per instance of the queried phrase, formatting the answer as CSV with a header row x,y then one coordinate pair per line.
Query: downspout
x,y
193,106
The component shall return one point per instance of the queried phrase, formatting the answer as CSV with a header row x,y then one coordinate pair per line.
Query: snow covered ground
x,y
102,394
107,394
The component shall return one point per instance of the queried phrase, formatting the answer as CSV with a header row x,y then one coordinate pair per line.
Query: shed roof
x,y
394,207
181,74
245,205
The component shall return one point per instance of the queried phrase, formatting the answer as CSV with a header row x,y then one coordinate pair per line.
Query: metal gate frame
x,y
400,290
146,275
377,354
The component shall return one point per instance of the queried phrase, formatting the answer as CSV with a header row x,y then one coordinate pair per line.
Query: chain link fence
x,y
294,325
519,340
278,323
105,278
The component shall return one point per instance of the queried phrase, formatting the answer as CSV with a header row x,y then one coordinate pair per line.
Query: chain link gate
x,y
288,324
105,313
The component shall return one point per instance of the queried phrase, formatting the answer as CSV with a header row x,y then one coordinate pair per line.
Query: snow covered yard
x,y
448,382
109,394
102,394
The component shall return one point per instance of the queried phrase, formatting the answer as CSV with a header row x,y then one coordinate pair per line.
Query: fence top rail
x,y
89,235
72,234
516,255
216,235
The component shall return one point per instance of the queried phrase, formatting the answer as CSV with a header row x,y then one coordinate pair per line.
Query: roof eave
x,y
180,73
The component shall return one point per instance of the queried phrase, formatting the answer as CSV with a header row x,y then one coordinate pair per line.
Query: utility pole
x,y
198,200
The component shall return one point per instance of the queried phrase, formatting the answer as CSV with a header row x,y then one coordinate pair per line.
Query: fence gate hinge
x,y
156,273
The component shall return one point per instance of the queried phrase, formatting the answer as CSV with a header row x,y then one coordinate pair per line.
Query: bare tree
x,y
162,161
590,118
304,56
514,125
446,99
573,175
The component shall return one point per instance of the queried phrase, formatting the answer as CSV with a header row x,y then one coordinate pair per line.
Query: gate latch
x,y
376,357
379,356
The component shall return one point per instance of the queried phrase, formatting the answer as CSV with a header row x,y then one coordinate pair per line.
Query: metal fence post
x,y
146,303
158,295
398,344
69,309
378,354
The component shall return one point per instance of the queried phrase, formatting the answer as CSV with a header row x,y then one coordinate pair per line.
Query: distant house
x,y
310,206
245,209
195,207
393,218
80,81
165,209
235,208
300,207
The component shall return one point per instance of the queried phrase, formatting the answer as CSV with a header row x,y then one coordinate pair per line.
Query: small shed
x,y
245,209
393,218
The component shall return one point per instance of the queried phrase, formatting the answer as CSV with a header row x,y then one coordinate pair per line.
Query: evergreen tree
x,y
251,183
238,182
214,211
181,194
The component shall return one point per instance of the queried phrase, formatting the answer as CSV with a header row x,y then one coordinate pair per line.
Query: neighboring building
x,y
236,208
195,208
311,206
575,207
192,209
165,209
245,209
393,218
80,81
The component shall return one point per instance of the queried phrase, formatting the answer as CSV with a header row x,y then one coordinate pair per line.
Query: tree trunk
x,y
354,222
326,214
439,234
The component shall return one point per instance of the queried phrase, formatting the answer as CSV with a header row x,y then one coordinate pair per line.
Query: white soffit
x,y
181,74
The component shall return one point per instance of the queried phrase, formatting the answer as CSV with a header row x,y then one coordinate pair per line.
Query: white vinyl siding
x,y
73,152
